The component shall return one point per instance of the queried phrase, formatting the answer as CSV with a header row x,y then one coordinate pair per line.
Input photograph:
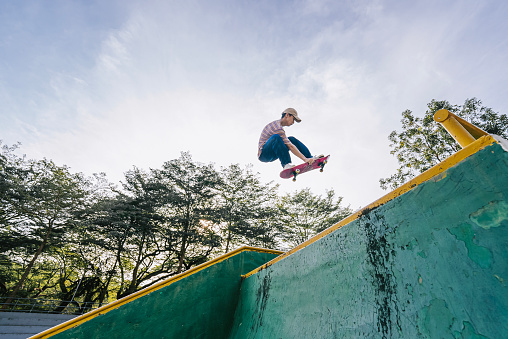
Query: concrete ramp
x,y
429,260
198,303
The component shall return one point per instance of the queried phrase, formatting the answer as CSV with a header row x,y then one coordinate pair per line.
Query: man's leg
x,y
301,147
275,149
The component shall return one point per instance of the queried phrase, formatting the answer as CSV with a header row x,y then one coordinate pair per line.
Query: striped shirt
x,y
272,128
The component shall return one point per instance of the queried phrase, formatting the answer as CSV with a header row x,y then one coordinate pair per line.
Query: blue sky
x,y
102,86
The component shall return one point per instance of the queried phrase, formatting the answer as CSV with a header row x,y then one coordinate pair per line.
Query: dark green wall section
x,y
199,306
432,263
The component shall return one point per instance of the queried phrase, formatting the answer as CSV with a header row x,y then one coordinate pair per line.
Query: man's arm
x,y
296,152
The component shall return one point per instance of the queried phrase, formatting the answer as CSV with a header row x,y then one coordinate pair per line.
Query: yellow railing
x,y
462,131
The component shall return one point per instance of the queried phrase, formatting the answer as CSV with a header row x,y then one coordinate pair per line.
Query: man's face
x,y
288,119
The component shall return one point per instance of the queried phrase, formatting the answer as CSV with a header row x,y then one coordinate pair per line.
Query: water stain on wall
x,y
261,302
380,256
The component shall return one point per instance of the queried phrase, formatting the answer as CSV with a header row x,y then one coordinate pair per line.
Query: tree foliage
x,y
303,214
244,205
190,189
40,204
423,143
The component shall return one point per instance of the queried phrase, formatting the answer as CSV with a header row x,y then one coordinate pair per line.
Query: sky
x,y
102,86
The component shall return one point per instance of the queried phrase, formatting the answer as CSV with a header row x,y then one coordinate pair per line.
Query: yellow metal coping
x,y
430,173
109,307
462,131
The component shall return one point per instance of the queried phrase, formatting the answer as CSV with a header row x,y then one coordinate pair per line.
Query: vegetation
x,y
424,143
76,239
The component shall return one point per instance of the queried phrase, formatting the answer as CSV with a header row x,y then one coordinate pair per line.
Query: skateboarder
x,y
273,143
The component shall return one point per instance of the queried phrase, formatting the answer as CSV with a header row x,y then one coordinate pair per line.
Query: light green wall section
x,y
432,263
199,306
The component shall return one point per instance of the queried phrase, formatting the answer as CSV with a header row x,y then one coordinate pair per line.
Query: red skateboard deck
x,y
297,170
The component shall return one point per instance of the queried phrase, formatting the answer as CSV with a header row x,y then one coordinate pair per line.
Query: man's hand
x,y
310,161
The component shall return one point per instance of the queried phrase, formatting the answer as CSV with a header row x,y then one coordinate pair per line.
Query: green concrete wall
x,y
201,305
431,263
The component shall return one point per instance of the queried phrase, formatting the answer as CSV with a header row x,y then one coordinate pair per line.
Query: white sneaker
x,y
318,156
288,166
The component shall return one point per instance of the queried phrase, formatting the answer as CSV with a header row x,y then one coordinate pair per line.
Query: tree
x,y
106,228
130,229
424,143
83,269
79,281
190,190
40,207
11,173
304,214
243,204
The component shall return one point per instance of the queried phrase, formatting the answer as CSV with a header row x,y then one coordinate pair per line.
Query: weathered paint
x,y
430,263
199,303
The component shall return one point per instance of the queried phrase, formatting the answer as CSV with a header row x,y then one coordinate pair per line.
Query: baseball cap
x,y
293,112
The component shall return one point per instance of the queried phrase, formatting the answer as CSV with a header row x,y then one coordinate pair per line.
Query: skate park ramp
x,y
195,304
427,260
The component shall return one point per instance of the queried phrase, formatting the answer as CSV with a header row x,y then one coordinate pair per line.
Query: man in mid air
x,y
273,143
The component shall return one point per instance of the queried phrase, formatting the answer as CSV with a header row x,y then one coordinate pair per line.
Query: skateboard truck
x,y
295,173
322,165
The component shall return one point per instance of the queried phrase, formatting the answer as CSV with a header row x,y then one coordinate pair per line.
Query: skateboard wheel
x,y
297,170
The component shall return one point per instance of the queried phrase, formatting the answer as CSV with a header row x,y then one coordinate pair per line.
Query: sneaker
x,y
318,156
288,166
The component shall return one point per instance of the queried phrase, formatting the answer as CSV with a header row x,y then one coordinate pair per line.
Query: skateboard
x,y
297,170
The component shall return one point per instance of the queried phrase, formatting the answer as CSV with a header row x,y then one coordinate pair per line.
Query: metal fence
x,y
37,305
